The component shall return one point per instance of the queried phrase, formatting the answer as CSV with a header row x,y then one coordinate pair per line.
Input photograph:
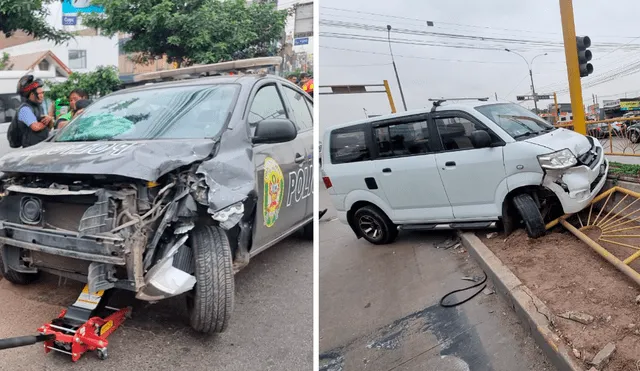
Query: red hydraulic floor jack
x,y
84,326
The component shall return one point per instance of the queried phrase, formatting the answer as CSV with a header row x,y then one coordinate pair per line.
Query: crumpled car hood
x,y
560,139
147,160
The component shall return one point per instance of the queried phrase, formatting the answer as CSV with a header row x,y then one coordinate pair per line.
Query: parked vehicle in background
x,y
185,183
461,165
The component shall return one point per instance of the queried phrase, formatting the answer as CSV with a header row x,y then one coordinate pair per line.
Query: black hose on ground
x,y
451,305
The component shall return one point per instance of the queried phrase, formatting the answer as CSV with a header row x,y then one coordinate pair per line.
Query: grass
x,y
624,169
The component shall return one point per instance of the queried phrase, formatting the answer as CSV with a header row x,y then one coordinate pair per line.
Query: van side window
x,y
348,146
404,139
455,132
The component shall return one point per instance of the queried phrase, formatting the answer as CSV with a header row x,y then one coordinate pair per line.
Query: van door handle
x,y
450,163
299,158
386,170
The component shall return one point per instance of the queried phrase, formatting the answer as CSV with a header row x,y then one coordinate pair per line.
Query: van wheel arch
x,y
544,199
352,211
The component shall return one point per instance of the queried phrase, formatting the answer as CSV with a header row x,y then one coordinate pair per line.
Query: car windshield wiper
x,y
527,134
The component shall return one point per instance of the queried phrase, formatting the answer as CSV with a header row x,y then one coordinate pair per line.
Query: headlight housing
x,y
558,160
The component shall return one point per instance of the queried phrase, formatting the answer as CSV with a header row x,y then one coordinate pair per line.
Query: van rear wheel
x,y
375,226
530,214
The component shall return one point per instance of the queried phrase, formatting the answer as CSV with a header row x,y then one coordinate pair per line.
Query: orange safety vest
x,y
308,86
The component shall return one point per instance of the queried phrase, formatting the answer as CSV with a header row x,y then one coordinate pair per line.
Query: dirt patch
x,y
567,275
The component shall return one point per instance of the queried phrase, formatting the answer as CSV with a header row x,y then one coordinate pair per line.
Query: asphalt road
x,y
379,308
271,328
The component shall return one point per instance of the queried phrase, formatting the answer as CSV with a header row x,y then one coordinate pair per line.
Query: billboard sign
x,y
632,105
303,24
611,103
80,6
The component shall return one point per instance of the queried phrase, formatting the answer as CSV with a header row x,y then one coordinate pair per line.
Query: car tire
x,y
634,136
383,232
530,214
307,231
210,302
18,278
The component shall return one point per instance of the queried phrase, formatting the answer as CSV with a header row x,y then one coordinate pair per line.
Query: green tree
x,y
100,82
4,62
193,31
30,17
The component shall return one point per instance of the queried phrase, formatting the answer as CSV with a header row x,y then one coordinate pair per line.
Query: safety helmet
x,y
27,84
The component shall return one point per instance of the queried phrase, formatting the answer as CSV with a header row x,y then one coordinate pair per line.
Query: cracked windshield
x,y
171,113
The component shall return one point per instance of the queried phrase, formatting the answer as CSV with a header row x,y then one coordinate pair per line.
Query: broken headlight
x,y
558,160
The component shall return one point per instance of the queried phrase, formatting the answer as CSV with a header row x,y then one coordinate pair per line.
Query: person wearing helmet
x,y
30,126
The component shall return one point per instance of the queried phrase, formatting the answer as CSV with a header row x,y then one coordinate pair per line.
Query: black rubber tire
x,y
389,231
530,214
307,231
18,278
210,303
634,136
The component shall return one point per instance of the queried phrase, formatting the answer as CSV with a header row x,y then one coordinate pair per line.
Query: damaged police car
x,y
164,189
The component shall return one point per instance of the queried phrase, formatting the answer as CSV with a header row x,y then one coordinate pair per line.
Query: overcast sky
x,y
492,71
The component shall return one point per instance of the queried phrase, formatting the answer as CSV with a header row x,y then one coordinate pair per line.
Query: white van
x,y
461,165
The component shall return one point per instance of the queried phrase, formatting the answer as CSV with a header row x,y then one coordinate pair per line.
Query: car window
x,y
267,104
310,105
455,132
404,139
348,145
304,118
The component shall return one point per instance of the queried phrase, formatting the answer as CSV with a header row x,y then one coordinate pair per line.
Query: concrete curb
x,y
532,312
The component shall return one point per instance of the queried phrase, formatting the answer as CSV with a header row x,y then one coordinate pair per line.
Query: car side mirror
x,y
274,131
480,139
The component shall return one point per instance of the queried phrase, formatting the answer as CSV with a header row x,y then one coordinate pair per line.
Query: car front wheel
x,y
211,300
374,225
530,214
18,278
634,136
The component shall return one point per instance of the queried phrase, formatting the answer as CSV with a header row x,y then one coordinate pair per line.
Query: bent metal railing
x,y
612,232
618,136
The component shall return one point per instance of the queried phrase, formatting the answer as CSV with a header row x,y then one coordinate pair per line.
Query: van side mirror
x,y
480,139
274,131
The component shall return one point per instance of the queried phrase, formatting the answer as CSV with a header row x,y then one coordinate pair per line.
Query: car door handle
x,y
299,158
386,170
450,163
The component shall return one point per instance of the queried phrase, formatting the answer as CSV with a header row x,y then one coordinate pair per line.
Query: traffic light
x,y
584,55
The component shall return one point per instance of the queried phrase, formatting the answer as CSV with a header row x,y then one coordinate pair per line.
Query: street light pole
x,y
395,69
533,87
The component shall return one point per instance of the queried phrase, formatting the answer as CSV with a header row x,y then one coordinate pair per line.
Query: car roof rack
x,y
437,102
252,66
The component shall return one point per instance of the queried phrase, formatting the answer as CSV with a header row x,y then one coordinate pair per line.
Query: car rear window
x,y
348,145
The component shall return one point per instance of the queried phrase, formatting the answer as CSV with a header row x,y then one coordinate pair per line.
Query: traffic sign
x,y
301,41
530,97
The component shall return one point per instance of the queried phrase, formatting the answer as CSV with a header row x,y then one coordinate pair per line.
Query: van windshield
x,y
184,112
518,122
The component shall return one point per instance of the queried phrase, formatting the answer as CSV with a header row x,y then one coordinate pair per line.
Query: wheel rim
x,y
370,227
634,136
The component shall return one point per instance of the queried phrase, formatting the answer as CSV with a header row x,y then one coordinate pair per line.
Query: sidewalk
x,y
634,160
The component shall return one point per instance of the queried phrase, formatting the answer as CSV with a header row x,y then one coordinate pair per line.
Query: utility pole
x,y
533,87
395,69
555,103
496,93
573,68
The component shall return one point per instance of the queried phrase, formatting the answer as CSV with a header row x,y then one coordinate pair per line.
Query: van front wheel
x,y
375,226
530,214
